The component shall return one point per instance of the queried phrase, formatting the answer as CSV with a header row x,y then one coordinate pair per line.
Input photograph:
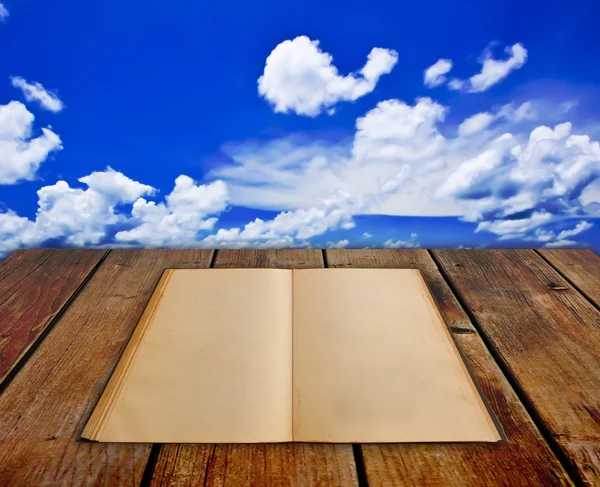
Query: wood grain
x,y
34,286
284,464
545,334
580,266
45,407
525,460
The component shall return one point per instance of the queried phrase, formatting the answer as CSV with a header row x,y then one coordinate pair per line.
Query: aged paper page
x,y
214,364
374,362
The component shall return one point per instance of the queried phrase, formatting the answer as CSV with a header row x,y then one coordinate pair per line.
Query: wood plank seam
x,y
359,463
548,436
566,278
32,349
156,447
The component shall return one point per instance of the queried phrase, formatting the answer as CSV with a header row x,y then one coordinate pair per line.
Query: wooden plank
x,y
546,335
524,461
264,464
34,286
580,266
45,407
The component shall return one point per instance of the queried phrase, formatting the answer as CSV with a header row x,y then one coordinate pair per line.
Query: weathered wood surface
x,y
34,286
581,267
546,335
525,460
45,407
543,332
301,464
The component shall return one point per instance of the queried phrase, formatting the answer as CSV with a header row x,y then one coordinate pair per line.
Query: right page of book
x,y
374,362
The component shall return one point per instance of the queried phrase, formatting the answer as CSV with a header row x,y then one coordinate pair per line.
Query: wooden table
x,y
528,323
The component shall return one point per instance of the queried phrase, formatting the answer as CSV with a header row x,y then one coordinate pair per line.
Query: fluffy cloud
x,y
434,75
481,121
300,78
338,245
178,221
511,185
78,216
513,188
3,12
20,153
493,70
475,123
402,244
291,226
395,143
36,92
82,217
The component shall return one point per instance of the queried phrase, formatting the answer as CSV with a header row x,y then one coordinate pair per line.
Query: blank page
x,y
374,362
210,362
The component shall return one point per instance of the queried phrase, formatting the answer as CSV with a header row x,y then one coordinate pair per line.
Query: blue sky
x,y
321,152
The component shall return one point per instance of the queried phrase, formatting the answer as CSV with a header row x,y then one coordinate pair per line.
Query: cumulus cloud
x,y
20,153
493,70
300,78
395,143
561,243
3,12
78,216
402,244
513,188
338,245
36,92
434,75
475,123
178,221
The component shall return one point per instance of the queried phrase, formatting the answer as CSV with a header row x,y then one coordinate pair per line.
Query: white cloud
x,y
367,235
434,75
402,244
178,221
395,143
79,217
493,70
475,123
338,245
456,84
561,243
580,227
36,92
3,12
334,213
300,78
20,154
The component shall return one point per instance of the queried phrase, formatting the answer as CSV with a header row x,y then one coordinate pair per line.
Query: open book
x,y
273,355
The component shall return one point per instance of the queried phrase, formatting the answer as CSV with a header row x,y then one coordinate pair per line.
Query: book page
x,y
374,362
213,363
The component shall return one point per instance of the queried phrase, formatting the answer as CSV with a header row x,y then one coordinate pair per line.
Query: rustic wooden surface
x,y
527,323
34,287
580,267
546,335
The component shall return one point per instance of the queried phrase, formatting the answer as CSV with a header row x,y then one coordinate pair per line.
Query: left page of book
x,y
209,362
